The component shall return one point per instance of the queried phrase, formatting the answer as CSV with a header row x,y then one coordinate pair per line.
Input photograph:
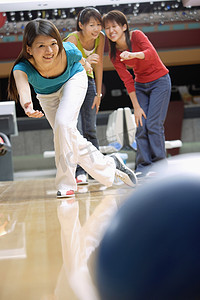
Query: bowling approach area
x,y
117,243
47,246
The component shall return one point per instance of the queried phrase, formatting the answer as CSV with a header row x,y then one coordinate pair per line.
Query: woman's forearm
x,y
125,55
134,100
98,77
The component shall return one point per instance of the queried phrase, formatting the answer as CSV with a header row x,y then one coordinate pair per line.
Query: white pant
x,y
61,109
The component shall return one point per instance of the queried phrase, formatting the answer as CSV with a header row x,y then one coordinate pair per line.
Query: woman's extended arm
x,y
24,92
125,55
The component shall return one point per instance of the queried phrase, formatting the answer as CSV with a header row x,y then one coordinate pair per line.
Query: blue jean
x,y
153,98
87,119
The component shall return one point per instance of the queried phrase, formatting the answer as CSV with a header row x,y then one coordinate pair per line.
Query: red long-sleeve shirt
x,y
145,70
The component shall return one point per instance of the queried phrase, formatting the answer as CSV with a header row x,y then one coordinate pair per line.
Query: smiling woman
x,y
44,56
149,90
89,39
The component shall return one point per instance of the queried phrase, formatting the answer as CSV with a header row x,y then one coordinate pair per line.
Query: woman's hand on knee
x,y
139,113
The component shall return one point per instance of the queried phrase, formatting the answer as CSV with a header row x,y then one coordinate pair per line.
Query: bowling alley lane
x,y
48,246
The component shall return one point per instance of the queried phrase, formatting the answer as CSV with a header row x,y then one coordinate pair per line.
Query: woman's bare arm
x,y
24,92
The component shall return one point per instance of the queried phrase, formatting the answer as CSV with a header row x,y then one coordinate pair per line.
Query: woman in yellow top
x,y
89,39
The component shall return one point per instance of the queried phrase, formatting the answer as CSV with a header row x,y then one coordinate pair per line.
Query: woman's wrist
x,y
99,95
85,61
26,105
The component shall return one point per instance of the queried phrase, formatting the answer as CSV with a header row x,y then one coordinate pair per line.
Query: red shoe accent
x,y
65,194
81,179
70,192
78,181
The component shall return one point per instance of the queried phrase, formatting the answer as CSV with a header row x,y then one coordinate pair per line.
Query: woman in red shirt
x,y
149,91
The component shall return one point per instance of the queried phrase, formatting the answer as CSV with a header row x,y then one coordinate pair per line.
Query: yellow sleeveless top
x,y
80,47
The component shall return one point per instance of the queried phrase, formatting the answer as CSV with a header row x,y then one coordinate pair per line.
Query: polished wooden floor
x,y
47,245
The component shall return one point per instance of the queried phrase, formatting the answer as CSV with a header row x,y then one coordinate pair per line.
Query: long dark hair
x,y
85,15
33,29
120,19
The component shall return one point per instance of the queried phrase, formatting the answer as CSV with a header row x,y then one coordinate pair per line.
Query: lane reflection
x,y
12,237
79,243
51,244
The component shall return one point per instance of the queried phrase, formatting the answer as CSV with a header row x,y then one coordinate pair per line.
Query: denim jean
x,y
87,119
153,98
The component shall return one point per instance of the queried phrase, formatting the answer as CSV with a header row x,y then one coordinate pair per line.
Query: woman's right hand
x,y
88,67
30,112
93,58
139,113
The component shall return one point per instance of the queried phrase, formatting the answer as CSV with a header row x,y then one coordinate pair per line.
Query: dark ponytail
x,y
12,89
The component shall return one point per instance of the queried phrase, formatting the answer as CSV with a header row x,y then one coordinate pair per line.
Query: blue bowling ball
x,y
151,249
